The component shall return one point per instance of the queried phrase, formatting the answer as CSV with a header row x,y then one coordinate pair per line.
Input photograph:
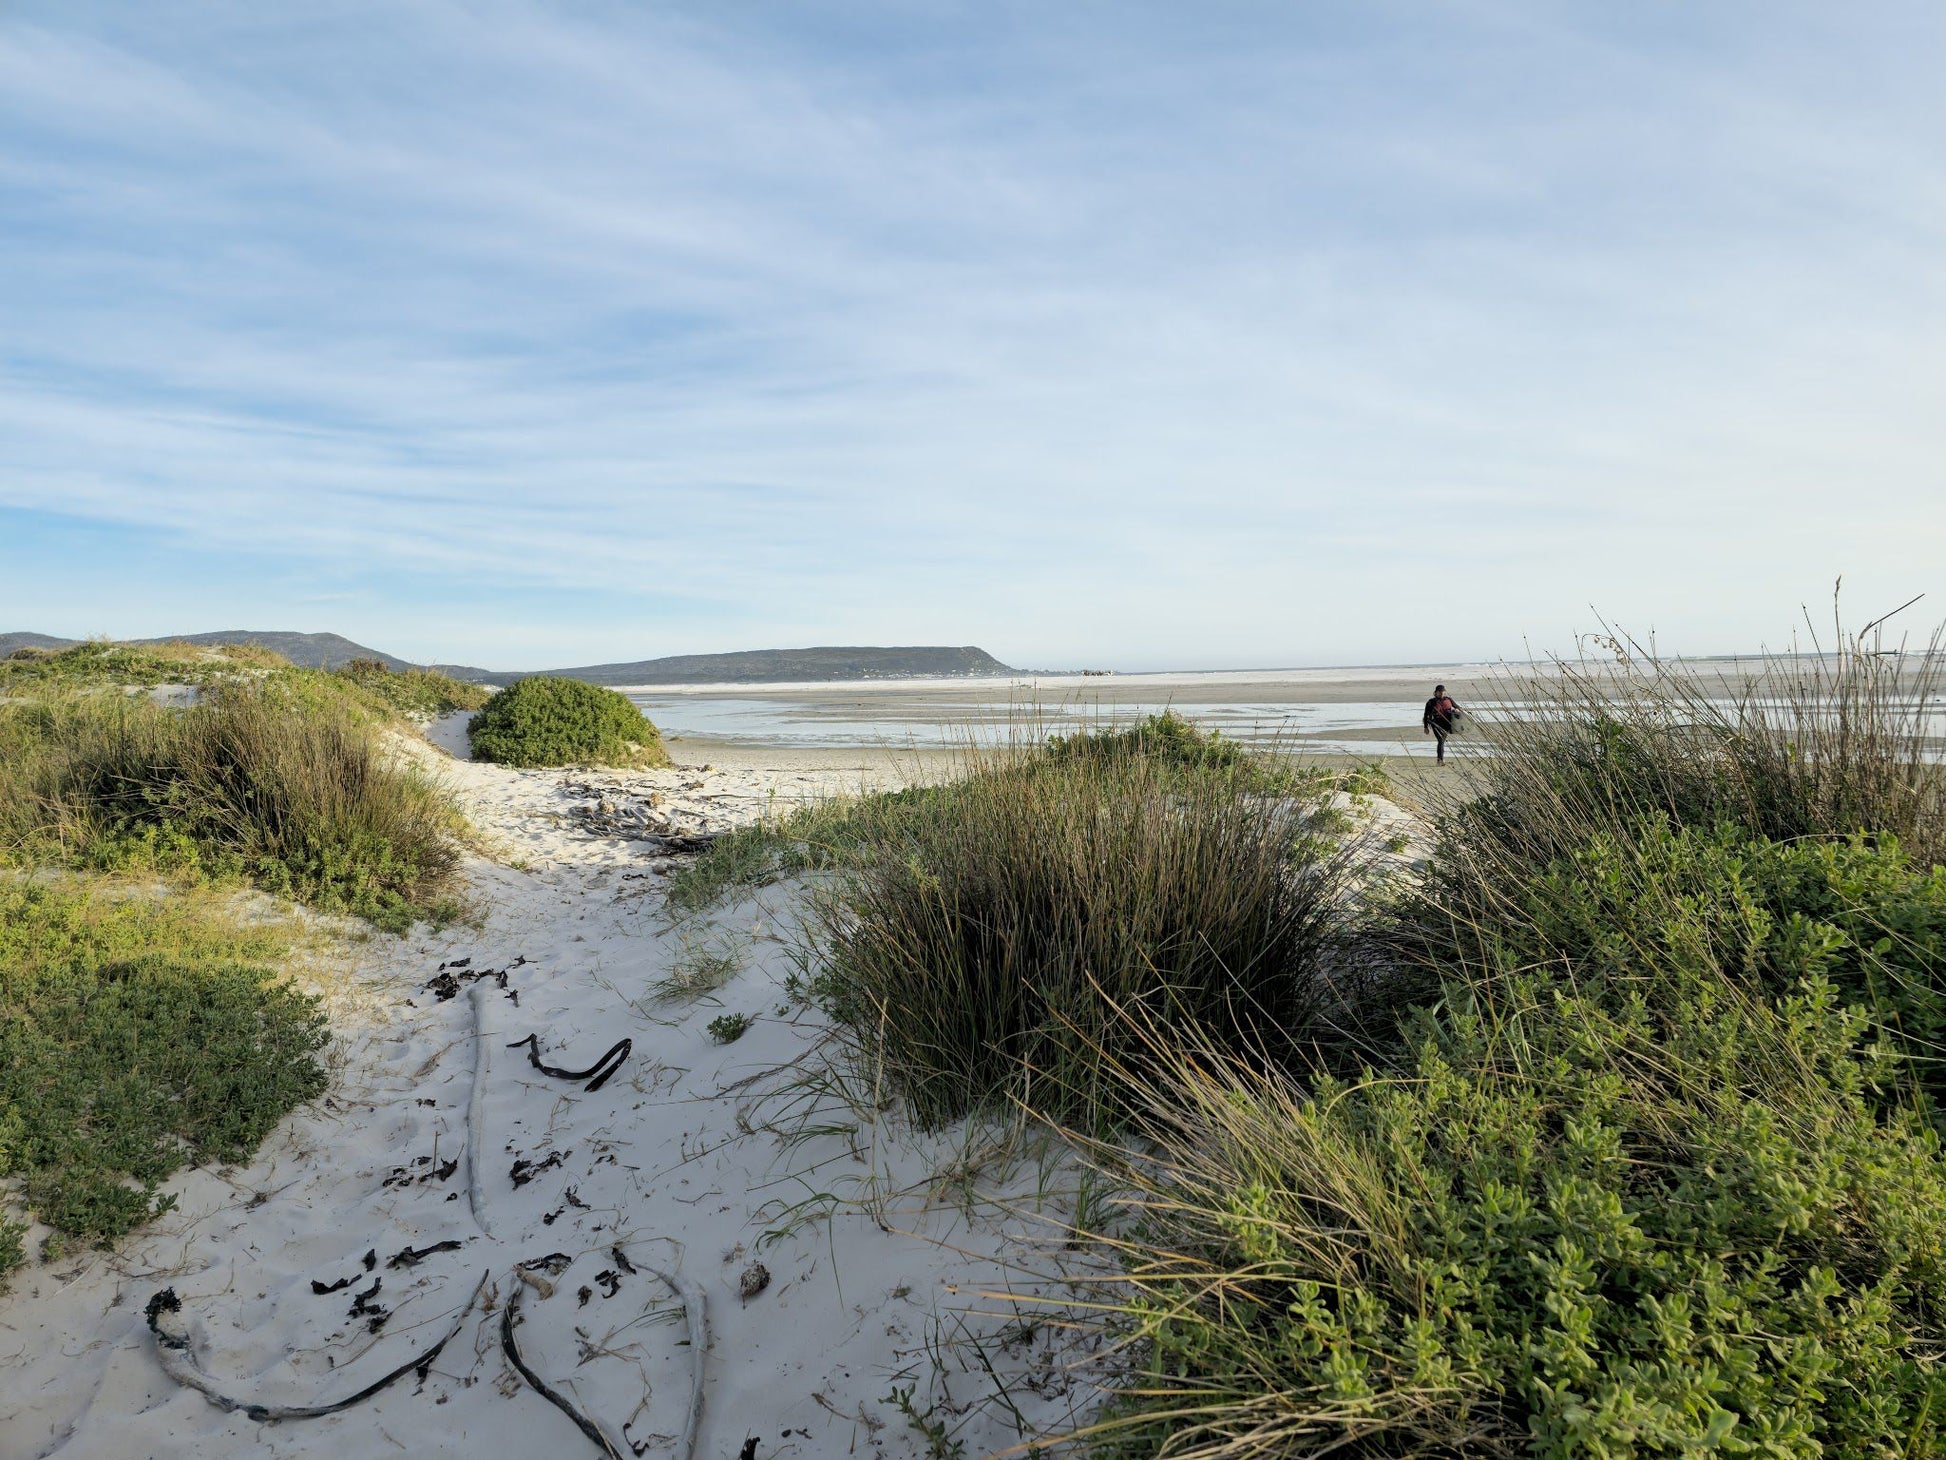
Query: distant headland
x,y
752,666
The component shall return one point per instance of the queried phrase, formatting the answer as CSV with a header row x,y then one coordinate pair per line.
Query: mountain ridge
x,y
743,666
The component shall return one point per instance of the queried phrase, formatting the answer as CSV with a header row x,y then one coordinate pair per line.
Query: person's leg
x,y
1439,737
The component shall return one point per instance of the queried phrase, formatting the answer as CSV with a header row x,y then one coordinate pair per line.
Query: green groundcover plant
x,y
141,1025
1647,1179
544,721
1770,916
137,1033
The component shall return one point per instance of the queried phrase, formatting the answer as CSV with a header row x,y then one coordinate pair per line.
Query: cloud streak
x,y
1127,334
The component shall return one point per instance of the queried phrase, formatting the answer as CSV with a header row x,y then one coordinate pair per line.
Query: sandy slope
x,y
699,1158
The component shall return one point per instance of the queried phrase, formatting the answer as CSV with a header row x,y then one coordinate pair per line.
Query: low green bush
x,y
137,1033
1644,1178
1652,908
546,721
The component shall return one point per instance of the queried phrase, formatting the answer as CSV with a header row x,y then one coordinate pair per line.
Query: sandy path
x,y
698,1158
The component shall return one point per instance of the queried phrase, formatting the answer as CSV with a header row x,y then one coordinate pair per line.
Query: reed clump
x,y
303,801
986,940
1824,744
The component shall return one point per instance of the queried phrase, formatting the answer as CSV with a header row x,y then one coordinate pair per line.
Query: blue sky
x,y
1121,334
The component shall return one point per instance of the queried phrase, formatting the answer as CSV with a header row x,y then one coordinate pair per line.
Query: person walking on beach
x,y
1441,718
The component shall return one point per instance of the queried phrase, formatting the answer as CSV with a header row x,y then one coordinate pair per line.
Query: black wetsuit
x,y
1440,710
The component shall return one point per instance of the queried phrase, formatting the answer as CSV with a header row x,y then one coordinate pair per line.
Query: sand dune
x,y
703,1160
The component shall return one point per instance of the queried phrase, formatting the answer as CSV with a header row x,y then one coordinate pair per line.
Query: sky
x,y
1110,335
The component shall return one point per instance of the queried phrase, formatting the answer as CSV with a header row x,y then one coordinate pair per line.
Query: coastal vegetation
x,y
365,686
1613,1131
419,694
826,833
1007,930
99,663
551,722
1612,1128
996,939
297,796
144,1022
1635,1148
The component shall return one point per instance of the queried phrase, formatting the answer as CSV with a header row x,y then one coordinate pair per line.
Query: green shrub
x,y
993,934
1768,915
137,1033
548,722
1644,1178
303,802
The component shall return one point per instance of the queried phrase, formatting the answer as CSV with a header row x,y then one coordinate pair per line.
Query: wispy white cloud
x,y
1101,332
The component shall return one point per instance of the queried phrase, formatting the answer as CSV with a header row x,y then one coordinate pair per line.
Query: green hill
x,y
748,666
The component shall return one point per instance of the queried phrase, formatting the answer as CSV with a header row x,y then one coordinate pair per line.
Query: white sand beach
x,y
718,1164
835,1258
